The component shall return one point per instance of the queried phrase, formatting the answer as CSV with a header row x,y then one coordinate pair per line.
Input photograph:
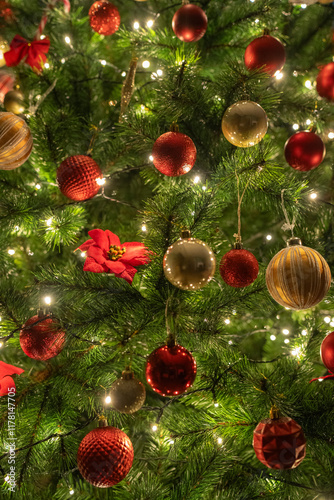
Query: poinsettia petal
x,y
6,369
100,238
115,266
97,253
5,384
92,266
85,245
113,239
128,274
136,253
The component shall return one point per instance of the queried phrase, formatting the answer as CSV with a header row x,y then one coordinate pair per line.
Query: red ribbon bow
x,y
33,51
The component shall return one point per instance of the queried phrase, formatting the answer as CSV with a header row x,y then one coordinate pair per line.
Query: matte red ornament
x,y
105,456
325,82
304,151
104,17
279,443
189,23
170,370
77,177
7,82
174,154
239,268
265,53
43,341
327,351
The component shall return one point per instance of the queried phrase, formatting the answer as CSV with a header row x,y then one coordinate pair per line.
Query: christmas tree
x,y
166,244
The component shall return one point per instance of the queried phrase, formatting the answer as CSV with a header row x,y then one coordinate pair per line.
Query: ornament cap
x,y
185,233
266,31
174,127
171,341
127,374
274,413
103,422
294,241
237,245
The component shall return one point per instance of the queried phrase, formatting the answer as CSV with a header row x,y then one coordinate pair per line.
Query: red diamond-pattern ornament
x,y
105,456
279,443
77,177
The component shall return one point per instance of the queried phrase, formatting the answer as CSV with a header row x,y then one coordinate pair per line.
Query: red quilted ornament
x,y
104,17
279,443
265,53
42,341
239,268
325,82
105,456
327,351
189,23
77,177
170,370
304,151
174,154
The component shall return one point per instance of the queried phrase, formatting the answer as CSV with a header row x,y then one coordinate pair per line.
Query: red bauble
x,y
104,17
174,154
239,268
7,82
42,341
279,443
266,53
105,456
77,177
325,82
327,351
304,151
189,23
170,370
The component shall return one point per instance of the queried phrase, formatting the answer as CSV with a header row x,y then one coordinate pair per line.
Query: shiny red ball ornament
x,y
279,443
327,352
77,177
43,341
174,154
170,370
105,456
325,82
239,268
265,53
304,151
189,23
104,17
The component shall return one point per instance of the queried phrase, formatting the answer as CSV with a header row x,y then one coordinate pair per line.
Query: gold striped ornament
x,y
15,141
298,277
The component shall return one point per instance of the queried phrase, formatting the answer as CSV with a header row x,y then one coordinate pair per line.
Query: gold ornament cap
x,y
127,374
294,241
274,413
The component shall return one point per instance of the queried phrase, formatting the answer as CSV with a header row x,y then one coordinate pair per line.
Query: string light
x,y
331,135
308,122
295,126
11,251
38,186
304,332
219,440
303,5
107,400
272,337
124,73
196,179
227,321
83,254
143,228
154,428
327,319
146,64
285,331
100,181
47,300
46,65
257,21
269,237
230,342
286,341
308,84
216,405
150,158
313,196
136,25
296,351
279,75
320,379
71,492
150,23
204,188
103,62
331,323
160,73
49,222
62,60
67,39
1,344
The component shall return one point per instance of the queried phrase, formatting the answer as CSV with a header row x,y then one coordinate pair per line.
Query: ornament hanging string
x,y
288,225
323,378
50,6
238,236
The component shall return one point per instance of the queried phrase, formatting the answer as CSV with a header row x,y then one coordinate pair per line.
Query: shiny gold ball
x,y
298,277
127,393
15,141
4,47
13,102
244,124
189,264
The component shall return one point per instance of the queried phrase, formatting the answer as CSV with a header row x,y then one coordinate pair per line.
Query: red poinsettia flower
x,y
6,382
106,254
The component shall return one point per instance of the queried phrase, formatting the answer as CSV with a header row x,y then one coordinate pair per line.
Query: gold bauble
x,y
298,277
244,124
13,102
127,393
15,141
189,263
4,47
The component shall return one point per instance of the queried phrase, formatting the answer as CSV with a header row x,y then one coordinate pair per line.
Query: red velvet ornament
x,y
174,154
170,370
265,53
104,17
77,177
105,456
327,351
279,443
42,341
304,151
325,82
189,23
239,268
